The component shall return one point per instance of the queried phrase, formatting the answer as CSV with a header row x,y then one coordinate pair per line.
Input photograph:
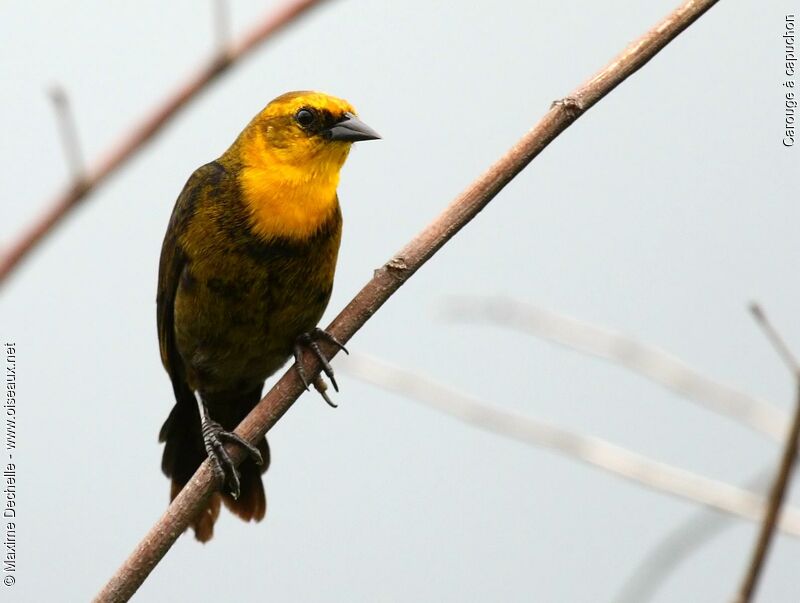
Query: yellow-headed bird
x,y
246,272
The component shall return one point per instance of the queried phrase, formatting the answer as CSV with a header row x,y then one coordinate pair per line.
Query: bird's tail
x,y
184,452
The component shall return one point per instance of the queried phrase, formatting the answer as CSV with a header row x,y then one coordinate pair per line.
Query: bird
x,y
245,273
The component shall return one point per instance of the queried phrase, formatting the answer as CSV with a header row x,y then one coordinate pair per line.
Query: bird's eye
x,y
305,117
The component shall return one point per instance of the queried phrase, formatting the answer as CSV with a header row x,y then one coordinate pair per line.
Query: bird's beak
x,y
350,129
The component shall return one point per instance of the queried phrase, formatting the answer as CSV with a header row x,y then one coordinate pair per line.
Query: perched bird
x,y
246,272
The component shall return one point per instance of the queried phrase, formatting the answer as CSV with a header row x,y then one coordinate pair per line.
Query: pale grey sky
x,y
661,213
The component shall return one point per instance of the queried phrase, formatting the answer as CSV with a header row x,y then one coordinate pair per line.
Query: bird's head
x,y
307,131
288,160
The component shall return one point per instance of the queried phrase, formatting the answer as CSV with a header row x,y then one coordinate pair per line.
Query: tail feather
x,y
183,443
184,452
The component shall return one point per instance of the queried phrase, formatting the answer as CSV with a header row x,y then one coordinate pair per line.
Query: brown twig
x,y
142,132
646,360
390,277
593,451
781,481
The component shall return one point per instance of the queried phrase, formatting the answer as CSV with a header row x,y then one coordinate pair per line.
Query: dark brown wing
x,y
173,263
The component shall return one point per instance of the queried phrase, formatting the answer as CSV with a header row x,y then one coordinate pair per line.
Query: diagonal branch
x,y
783,474
146,129
593,451
388,279
649,361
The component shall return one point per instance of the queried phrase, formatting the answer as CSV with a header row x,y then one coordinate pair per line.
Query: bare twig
x,y
775,339
593,451
784,472
388,279
222,24
676,548
69,133
646,360
142,132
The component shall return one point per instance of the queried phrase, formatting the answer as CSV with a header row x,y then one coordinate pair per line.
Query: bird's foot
x,y
310,340
215,438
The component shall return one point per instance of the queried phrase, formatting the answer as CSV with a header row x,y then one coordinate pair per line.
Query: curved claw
x,y
320,386
326,366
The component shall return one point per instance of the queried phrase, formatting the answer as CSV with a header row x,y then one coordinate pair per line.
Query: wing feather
x,y
174,261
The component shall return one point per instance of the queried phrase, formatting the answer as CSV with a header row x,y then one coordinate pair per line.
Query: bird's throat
x,y
287,202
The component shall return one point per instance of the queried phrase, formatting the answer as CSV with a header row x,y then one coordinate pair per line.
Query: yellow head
x,y
289,157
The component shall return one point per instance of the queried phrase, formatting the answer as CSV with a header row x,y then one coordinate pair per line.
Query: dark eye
x,y
305,117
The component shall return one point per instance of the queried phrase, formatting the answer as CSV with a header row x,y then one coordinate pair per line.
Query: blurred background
x,y
661,213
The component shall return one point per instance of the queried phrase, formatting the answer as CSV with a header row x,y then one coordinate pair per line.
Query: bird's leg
x,y
309,340
215,438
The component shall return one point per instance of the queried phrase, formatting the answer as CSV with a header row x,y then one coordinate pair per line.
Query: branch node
x,y
397,263
396,267
572,105
221,62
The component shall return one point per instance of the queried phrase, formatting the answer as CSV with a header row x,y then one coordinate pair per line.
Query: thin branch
x,y
676,548
388,279
646,360
68,132
784,472
593,451
143,131
222,24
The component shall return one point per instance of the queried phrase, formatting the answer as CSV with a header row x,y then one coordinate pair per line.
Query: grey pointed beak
x,y
350,129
